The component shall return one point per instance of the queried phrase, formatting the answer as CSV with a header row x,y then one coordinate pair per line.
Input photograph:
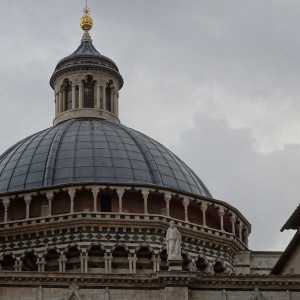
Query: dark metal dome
x,y
93,150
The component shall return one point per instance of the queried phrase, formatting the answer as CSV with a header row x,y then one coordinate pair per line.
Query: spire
x,y
86,21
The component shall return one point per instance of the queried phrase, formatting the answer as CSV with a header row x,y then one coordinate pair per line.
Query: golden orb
x,y
86,22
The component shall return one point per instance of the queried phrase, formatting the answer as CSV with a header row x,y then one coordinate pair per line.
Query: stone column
x,y
62,263
56,103
233,220
158,260
240,227
145,196
86,260
98,95
72,193
104,97
203,207
186,203
50,197
64,100
153,259
106,262
6,203
120,192
60,100
221,215
27,200
130,259
246,237
95,192
168,199
73,95
81,263
117,104
80,95
109,263
134,259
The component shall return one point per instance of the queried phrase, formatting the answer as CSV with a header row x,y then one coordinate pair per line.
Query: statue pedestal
x,y
175,263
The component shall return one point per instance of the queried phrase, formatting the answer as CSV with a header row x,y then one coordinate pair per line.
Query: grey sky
x,y
216,81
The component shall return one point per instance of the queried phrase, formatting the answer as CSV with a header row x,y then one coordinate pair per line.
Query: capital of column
x,y
204,206
221,213
27,199
167,197
72,192
186,202
6,202
233,218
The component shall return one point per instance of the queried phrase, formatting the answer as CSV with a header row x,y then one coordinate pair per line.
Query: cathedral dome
x,y
93,150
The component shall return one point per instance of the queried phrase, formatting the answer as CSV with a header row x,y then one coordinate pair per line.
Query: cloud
x,y
261,186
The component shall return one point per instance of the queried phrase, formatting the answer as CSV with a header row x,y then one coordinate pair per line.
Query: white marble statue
x,y
173,240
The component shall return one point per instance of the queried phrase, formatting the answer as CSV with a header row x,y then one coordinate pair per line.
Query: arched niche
x,y
156,204
29,262
108,95
219,268
107,201
195,213
73,263
133,202
2,212
61,203
201,264
39,206
227,222
144,264
120,263
52,261
213,218
17,209
67,91
96,261
89,92
8,262
177,208
84,201
163,260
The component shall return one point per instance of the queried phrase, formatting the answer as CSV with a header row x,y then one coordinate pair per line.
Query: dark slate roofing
x,y
85,57
294,220
93,150
87,50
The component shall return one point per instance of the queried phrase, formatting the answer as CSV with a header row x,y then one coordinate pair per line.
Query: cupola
x,y
86,83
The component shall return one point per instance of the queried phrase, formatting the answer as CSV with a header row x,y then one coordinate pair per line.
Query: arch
x,y
133,202
73,254
177,208
120,262
84,201
195,213
7,262
201,264
17,209
156,204
107,201
144,264
39,206
219,267
2,211
67,90
29,261
89,92
163,259
52,260
61,203
96,261
212,217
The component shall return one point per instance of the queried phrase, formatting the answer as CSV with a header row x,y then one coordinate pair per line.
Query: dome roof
x,y
86,56
93,150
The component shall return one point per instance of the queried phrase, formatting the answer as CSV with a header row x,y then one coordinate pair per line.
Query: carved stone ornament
x,y
256,295
74,293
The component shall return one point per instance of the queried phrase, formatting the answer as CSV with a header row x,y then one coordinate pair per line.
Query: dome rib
x,y
94,150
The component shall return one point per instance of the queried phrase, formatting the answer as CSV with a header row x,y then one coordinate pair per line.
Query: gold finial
x,y
86,21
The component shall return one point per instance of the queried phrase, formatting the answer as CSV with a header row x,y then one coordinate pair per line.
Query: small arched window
x,y
68,94
89,92
108,92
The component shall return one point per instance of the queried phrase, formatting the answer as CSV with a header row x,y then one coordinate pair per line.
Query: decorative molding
x,y
74,292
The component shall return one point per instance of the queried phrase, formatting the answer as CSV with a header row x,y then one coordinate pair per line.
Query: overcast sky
x,y
216,81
